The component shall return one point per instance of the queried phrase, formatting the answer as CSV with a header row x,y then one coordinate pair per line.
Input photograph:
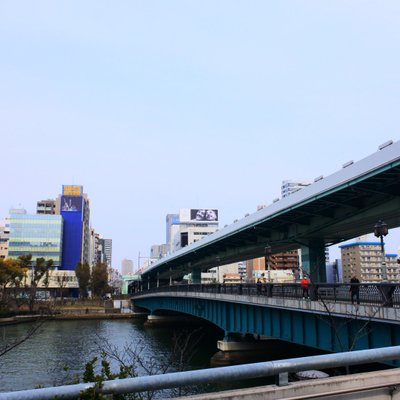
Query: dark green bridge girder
x,y
347,206
329,333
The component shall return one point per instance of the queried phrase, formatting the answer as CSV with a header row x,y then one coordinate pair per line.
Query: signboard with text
x,y
72,190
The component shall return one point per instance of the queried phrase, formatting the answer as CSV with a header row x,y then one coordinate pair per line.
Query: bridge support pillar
x,y
313,261
238,342
238,348
196,276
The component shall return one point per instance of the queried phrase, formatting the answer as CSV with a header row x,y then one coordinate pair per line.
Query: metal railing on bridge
x,y
383,294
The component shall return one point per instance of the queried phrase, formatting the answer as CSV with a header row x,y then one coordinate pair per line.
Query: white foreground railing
x,y
211,375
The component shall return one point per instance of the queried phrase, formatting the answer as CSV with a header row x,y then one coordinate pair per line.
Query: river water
x,y
59,350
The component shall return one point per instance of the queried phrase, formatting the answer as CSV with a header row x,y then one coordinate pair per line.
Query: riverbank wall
x,y
68,316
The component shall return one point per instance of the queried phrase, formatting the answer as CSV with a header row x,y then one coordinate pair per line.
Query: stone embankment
x,y
70,310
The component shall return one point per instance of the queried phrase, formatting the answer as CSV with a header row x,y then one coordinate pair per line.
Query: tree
x,y
25,262
100,280
62,282
11,275
82,272
39,270
6,347
134,360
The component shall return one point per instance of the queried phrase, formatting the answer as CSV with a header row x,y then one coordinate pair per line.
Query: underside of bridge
x,y
333,216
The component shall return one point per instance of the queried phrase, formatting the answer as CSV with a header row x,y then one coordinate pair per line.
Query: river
x,y
59,350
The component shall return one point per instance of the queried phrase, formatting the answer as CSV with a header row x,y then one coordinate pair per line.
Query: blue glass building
x,y
36,234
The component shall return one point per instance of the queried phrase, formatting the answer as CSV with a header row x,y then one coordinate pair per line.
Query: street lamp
x,y
381,230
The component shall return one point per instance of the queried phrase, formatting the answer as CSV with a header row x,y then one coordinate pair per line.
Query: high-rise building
x,y
126,267
193,225
75,211
85,253
108,251
38,235
287,260
290,186
364,259
99,249
49,206
92,247
158,250
172,228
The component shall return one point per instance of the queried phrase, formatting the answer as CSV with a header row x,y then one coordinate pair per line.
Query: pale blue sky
x,y
154,106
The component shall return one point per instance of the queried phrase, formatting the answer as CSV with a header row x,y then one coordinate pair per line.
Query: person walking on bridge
x,y
304,283
259,286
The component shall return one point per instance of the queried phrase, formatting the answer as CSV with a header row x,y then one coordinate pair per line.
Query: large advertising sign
x,y
198,215
71,203
72,190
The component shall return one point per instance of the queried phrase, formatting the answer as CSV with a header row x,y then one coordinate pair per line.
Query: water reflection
x,y
60,349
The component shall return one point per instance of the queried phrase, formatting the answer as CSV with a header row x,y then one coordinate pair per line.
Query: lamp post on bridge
x,y
381,230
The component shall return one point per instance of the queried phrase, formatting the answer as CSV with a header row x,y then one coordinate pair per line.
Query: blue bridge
x,y
327,320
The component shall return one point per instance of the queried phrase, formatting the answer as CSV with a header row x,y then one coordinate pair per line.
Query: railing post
x,y
314,292
282,379
269,289
387,291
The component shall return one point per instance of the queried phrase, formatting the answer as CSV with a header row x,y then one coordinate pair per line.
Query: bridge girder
x,y
333,217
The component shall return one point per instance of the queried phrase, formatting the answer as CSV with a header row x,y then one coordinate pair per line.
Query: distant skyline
x,y
157,106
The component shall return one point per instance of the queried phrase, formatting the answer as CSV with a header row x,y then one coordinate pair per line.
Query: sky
x,y
153,106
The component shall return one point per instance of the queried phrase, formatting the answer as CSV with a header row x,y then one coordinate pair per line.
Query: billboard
x,y
72,190
71,203
198,215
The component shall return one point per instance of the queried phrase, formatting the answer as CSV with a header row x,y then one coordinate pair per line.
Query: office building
x,y
100,255
49,206
283,261
172,228
158,251
39,235
4,237
107,243
334,272
193,225
92,247
364,260
75,211
126,267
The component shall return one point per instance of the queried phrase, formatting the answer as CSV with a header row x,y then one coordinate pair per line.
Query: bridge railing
x,y
382,294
